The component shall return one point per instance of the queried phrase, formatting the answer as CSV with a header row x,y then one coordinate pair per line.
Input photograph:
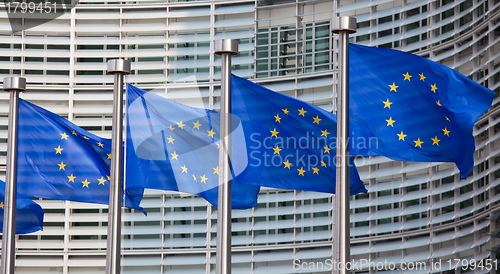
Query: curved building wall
x,y
413,212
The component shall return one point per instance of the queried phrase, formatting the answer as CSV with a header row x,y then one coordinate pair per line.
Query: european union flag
x,y
29,215
412,109
61,161
291,144
175,147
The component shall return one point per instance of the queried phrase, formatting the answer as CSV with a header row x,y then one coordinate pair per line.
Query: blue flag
x,y
175,147
29,215
61,161
291,144
412,109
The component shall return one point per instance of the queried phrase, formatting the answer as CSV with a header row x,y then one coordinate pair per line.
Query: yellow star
x,y
86,183
211,133
71,178
203,179
434,88
278,118
277,150
1,205
435,141
274,133
59,149
194,177
402,136
216,170
197,125
418,143
438,103
109,155
393,87
316,119
447,119
387,104
446,132
174,156
184,169
323,163
61,166
109,178
407,76
101,181
390,122
171,127
315,170
64,136
301,171
74,132
285,111
85,137
422,77
218,146
170,140
99,144
327,149
325,133
302,112
287,164
181,125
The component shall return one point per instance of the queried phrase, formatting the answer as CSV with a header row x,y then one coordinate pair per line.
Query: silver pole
x,y
226,48
14,85
119,68
343,26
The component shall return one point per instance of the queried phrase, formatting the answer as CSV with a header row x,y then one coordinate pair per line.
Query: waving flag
x,y
175,147
29,215
61,161
291,144
414,109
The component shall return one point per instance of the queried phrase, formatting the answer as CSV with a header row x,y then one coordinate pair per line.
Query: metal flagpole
x,y
14,85
119,68
343,26
225,48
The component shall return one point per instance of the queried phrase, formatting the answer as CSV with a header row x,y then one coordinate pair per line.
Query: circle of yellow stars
x,y
391,122
274,134
62,166
174,156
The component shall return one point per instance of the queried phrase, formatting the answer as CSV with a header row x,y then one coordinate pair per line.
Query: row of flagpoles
x,y
342,26
444,107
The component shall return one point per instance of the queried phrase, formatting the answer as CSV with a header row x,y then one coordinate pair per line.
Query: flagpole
x,y
225,48
14,85
118,67
343,26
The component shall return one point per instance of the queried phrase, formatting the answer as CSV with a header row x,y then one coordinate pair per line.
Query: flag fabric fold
x,y
411,108
61,161
29,215
171,146
291,144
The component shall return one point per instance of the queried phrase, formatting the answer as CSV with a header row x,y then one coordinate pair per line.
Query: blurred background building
x,y
413,212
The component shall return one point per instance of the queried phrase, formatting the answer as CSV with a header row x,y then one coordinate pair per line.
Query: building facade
x,y
414,216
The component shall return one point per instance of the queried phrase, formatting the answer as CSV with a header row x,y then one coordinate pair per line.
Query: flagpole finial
x,y
14,83
344,24
119,66
226,46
